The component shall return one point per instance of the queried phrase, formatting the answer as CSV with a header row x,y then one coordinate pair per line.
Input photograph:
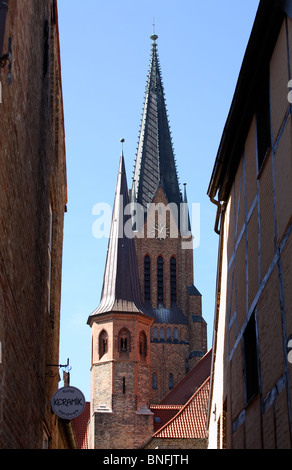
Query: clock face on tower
x,y
160,231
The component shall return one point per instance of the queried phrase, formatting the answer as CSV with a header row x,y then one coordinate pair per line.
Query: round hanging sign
x,y
68,402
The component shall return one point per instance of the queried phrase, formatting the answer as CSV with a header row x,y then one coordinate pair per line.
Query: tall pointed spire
x,y
155,162
121,289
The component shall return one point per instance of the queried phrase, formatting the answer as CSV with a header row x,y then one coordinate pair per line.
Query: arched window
x,y
175,334
147,278
173,279
143,345
124,344
162,334
154,381
168,334
159,280
102,343
170,381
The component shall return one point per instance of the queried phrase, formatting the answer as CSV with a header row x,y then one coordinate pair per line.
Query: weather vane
x,y
154,36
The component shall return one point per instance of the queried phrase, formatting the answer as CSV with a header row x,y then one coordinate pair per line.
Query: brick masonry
x,y
171,357
32,178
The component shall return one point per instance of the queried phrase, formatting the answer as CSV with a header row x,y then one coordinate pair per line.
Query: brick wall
x,y
32,178
120,383
170,357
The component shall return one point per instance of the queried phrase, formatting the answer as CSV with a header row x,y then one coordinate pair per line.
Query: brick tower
x,y
148,330
164,246
120,363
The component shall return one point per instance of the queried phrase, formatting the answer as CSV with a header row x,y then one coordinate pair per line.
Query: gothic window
x,y
173,279
154,381
147,277
162,334
143,345
159,280
168,334
102,343
124,341
170,381
175,334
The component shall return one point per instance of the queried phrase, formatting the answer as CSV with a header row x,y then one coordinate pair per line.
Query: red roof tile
x,y
191,420
81,428
163,414
183,391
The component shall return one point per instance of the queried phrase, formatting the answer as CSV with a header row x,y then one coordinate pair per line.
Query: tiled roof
x,y
163,414
191,421
81,428
183,391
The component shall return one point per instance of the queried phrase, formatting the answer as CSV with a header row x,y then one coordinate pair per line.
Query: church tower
x,y
164,246
148,330
120,362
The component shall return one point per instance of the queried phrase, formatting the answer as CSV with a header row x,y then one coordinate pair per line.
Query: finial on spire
x,y
122,142
154,36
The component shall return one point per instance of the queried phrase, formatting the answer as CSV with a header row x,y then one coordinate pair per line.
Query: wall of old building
x,y
32,203
255,297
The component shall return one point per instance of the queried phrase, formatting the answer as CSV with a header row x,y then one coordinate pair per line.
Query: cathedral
x,y
148,331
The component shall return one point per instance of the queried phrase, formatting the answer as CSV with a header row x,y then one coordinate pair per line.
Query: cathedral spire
x,y
121,290
155,162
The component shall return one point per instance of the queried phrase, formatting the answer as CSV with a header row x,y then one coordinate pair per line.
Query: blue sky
x,y
105,54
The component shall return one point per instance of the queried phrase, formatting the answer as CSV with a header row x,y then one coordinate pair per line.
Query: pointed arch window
x,y
143,344
154,381
173,279
147,265
124,341
159,280
170,381
102,343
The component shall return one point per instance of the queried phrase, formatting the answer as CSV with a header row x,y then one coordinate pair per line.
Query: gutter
x,y
217,307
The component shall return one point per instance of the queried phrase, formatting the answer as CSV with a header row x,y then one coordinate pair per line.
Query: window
x,y
160,280
155,333
102,343
143,345
124,385
124,341
263,118
147,278
162,334
173,279
251,359
170,381
154,381
175,334
168,334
